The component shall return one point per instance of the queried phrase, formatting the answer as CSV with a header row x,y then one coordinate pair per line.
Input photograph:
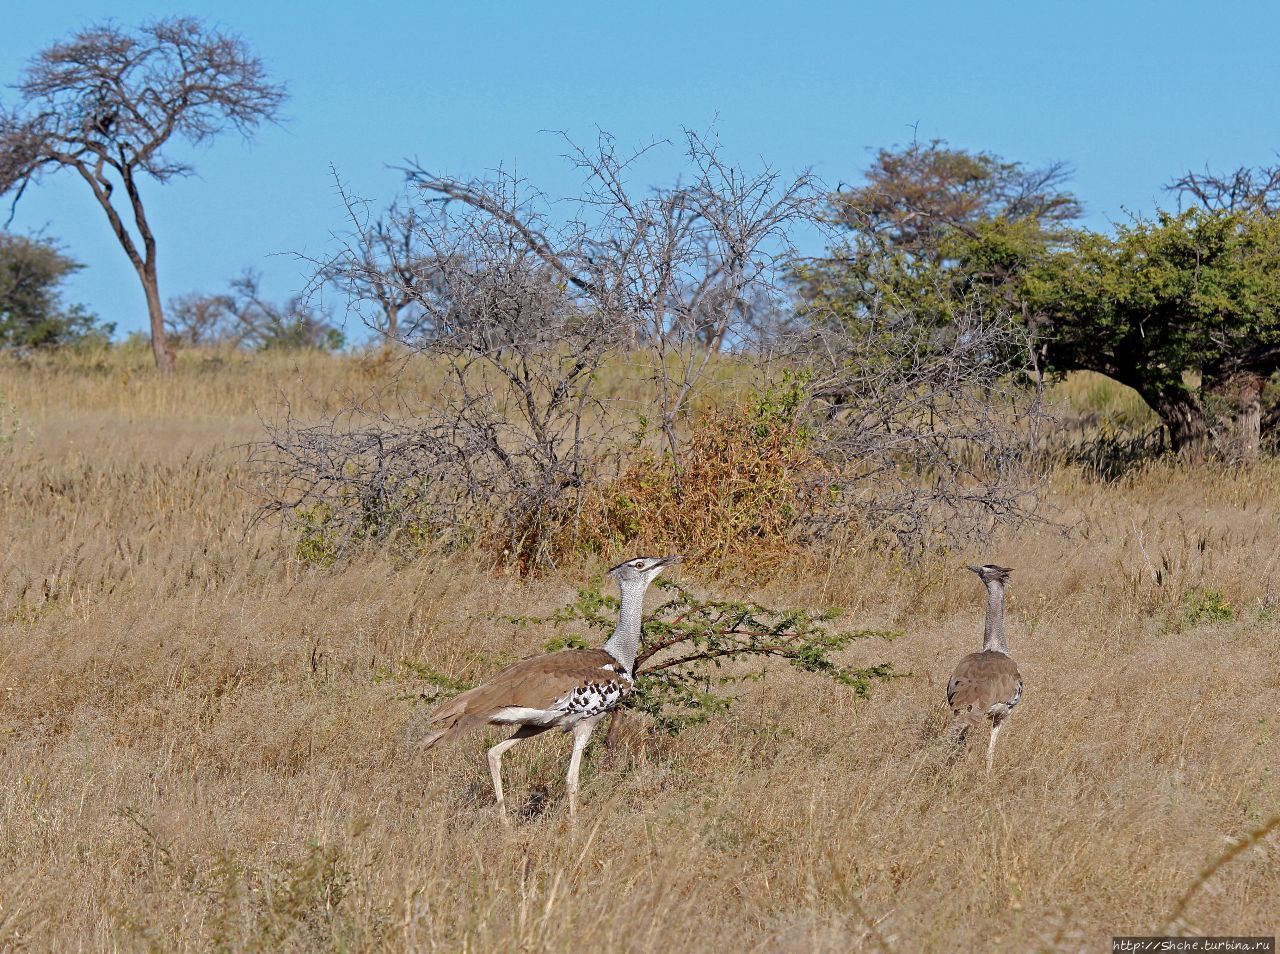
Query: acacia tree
x,y
1241,189
1155,305
523,308
108,102
1237,377
932,224
678,272
243,317
392,273
1197,293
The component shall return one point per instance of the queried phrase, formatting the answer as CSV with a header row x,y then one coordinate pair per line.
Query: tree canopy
x,y
1195,293
931,224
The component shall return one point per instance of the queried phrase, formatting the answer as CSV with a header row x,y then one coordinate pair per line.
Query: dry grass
x,y
204,743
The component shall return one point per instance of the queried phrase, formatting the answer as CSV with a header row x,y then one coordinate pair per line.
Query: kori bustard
x,y
572,689
986,685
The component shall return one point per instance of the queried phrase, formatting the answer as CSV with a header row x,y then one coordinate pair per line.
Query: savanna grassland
x,y
206,743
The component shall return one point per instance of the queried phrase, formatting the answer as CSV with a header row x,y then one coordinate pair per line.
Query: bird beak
x,y
674,558
975,569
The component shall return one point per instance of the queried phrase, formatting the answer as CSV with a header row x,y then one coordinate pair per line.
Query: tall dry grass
x,y
203,743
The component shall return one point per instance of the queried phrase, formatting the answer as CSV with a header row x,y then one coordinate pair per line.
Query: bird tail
x,y
431,738
446,721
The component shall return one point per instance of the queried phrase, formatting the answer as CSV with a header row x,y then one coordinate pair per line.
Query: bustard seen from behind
x,y
571,690
986,685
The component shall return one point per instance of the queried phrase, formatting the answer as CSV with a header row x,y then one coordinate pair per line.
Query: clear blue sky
x,y
1129,93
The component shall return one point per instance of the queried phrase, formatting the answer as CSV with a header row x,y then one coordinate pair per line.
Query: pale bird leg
x,y
495,770
991,746
581,735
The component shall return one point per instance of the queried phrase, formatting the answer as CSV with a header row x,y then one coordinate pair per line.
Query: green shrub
x,y
1206,606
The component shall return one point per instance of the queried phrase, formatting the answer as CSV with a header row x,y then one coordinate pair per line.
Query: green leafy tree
x,y
930,226
32,313
1182,307
1163,301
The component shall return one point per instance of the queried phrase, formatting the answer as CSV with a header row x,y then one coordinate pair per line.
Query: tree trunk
x,y
1271,424
1181,413
1246,388
1239,380
146,266
159,341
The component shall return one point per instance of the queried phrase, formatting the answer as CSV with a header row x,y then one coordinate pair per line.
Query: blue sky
x,y
1129,93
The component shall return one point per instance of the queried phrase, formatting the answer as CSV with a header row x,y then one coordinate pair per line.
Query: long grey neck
x,y
625,641
993,633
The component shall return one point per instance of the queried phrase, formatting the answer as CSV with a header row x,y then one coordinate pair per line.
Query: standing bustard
x,y
572,689
986,684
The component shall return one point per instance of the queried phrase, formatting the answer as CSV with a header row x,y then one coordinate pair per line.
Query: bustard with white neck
x,y
571,690
986,685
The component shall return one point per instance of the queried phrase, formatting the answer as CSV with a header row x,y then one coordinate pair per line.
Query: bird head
x,y
641,570
990,573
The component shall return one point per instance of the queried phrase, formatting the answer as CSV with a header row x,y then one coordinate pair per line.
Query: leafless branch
x,y
1241,189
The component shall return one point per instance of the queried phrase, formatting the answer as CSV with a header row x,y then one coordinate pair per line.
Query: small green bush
x,y
1206,606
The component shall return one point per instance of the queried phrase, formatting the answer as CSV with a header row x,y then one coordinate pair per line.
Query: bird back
x,y
535,683
980,681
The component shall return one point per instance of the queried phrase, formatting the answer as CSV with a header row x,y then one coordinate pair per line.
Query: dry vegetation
x,y
204,742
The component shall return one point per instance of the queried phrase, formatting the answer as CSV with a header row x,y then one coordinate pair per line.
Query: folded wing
x,y
545,691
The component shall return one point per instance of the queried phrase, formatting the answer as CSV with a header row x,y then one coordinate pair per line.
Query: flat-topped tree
x,y
108,101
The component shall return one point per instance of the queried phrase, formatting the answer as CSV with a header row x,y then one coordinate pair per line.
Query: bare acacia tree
x,y
244,317
107,102
681,272
197,319
522,309
386,288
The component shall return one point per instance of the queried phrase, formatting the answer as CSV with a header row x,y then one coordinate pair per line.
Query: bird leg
x,y
495,763
581,735
991,746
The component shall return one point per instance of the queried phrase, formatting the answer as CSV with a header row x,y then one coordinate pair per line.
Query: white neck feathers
x,y
993,637
625,641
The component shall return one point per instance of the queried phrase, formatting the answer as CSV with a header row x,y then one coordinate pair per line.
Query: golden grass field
x,y
203,742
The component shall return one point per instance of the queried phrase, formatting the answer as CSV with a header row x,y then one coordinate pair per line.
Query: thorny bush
x,y
747,477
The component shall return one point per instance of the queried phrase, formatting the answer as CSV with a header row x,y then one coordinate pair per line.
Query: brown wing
x,y
534,683
980,681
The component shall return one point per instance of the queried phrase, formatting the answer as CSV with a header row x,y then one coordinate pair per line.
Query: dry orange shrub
x,y
745,481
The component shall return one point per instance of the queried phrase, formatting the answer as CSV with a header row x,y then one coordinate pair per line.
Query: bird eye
x,y
639,564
